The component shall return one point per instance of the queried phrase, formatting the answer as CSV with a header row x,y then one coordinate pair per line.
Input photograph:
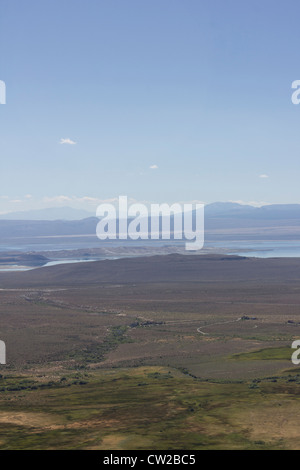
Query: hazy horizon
x,y
78,214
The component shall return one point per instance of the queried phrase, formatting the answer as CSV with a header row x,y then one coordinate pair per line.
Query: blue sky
x,y
161,100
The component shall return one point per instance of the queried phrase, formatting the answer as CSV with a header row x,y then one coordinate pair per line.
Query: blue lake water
x,y
261,249
250,248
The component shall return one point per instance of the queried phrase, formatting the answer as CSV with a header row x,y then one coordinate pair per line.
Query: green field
x,y
147,408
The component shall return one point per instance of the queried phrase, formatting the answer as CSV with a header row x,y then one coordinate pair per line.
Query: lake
x,y
261,249
250,248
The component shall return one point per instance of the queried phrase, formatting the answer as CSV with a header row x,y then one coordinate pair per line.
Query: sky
x,y
161,101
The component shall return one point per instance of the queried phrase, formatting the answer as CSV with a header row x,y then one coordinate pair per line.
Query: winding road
x,y
219,323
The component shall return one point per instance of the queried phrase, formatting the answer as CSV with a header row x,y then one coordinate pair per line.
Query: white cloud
x,y
76,201
264,176
67,141
57,199
252,203
153,167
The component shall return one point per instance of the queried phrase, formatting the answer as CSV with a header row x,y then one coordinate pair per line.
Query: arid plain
x,y
162,352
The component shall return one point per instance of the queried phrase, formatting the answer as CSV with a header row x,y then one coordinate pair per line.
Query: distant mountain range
x,y
223,221
52,213
234,210
216,209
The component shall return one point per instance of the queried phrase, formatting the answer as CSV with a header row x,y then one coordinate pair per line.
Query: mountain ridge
x,y
223,209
